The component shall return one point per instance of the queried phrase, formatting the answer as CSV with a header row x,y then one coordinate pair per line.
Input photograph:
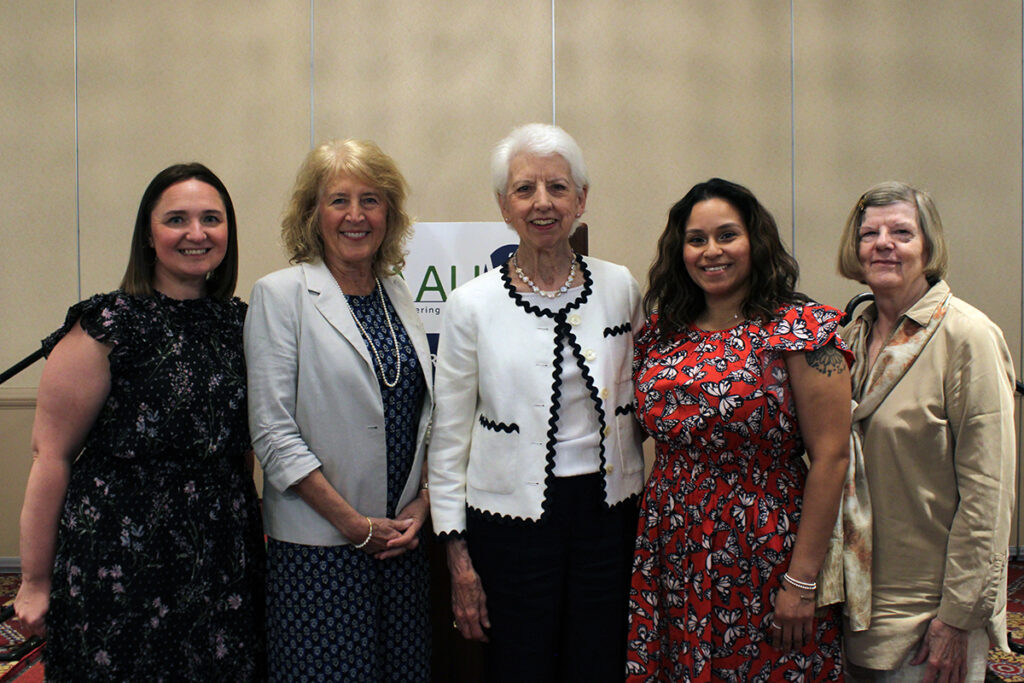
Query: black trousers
x,y
557,589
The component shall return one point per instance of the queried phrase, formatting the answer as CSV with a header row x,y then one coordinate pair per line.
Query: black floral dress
x,y
159,563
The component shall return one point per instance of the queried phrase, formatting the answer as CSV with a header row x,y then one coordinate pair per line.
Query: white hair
x,y
539,139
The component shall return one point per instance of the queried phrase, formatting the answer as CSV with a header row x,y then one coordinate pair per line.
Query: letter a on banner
x,y
443,256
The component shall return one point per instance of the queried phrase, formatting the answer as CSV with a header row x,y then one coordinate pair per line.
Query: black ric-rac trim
x,y
624,328
563,335
498,426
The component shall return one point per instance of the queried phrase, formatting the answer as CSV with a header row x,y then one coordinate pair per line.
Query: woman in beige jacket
x,y
933,381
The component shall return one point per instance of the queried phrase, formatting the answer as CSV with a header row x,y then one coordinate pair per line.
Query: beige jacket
x,y
940,458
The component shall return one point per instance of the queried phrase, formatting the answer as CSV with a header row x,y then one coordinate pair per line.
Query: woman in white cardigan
x,y
536,464
339,410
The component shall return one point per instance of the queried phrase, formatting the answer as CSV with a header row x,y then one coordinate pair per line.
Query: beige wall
x,y
660,94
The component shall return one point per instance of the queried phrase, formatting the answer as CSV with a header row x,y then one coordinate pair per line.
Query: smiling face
x,y
353,222
893,251
541,201
716,251
189,233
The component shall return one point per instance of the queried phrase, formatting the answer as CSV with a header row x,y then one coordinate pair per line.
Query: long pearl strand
x,y
373,347
537,290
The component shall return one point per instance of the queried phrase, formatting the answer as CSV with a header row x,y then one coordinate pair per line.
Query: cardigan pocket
x,y
492,456
627,430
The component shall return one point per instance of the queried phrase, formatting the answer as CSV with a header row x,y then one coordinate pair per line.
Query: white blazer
x,y
314,400
492,439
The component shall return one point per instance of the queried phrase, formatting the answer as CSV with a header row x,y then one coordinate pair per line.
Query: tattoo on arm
x,y
826,360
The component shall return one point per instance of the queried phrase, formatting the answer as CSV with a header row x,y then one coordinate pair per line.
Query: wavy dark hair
x,y
773,272
138,276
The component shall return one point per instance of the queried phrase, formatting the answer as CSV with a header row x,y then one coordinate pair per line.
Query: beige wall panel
x,y
928,93
661,95
15,430
225,83
436,85
37,178
37,225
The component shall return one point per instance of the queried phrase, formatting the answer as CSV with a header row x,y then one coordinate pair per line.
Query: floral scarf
x,y
846,573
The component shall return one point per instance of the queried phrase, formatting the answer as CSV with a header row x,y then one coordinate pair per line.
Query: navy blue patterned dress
x,y
159,562
336,613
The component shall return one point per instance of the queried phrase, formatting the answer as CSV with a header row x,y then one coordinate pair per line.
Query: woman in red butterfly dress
x,y
737,376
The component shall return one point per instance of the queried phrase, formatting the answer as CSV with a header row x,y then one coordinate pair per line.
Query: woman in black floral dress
x,y
141,544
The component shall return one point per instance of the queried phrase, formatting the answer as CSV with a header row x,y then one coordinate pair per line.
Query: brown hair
x,y
773,272
138,276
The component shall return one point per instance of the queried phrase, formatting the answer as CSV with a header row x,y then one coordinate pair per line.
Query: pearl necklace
x,y
537,290
373,347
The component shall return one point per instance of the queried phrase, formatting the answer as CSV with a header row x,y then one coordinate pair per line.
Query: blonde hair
x,y
885,194
364,161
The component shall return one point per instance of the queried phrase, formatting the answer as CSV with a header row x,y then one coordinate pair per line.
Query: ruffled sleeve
x,y
105,317
643,341
806,327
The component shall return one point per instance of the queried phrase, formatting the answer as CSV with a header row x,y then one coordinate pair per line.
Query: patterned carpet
x,y
1007,668
27,668
1010,667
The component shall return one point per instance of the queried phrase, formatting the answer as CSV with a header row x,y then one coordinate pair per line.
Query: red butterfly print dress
x,y
721,509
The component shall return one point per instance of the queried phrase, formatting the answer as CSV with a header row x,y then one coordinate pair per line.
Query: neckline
x,y
741,322
519,300
160,296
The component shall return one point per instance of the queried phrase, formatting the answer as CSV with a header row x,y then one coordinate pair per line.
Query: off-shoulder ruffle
x,y
796,327
806,327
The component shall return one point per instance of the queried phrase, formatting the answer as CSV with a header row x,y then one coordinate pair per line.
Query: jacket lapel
x,y
329,300
899,353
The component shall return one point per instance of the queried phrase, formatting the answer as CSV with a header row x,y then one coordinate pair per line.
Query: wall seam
x,y
554,120
1020,332
312,80
792,130
78,178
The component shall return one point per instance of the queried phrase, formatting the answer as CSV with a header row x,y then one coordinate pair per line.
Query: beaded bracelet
x,y
802,585
369,535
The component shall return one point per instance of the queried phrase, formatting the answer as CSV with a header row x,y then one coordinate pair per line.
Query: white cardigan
x,y
314,401
494,389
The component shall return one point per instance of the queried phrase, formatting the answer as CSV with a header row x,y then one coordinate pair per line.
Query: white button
x,y
574,319
590,354
609,468
607,431
604,393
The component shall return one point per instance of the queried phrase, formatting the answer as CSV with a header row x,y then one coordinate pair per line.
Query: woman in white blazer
x,y
339,410
536,464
